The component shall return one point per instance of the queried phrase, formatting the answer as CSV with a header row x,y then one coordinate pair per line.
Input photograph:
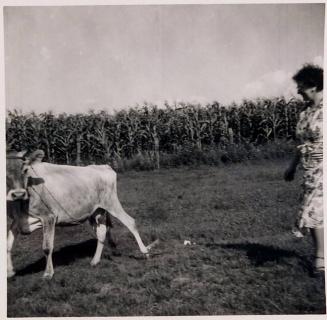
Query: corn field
x,y
97,137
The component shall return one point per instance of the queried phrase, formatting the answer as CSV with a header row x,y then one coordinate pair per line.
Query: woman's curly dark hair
x,y
310,76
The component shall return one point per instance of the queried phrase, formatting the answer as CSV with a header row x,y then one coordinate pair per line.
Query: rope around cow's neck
x,y
62,208
53,197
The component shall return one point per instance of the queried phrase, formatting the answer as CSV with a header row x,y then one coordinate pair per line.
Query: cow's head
x,y
17,173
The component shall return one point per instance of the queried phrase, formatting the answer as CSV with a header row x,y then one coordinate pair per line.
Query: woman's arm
x,y
290,172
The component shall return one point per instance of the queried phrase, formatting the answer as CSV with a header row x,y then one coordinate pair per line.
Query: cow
x,y
43,195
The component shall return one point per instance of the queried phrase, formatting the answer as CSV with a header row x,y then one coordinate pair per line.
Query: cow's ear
x,y
36,156
34,181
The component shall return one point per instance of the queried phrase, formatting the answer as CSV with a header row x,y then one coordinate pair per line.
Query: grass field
x,y
242,258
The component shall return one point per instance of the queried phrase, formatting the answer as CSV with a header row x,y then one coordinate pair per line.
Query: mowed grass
x,y
242,258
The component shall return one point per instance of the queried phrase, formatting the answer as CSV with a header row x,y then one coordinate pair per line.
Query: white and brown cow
x,y
42,195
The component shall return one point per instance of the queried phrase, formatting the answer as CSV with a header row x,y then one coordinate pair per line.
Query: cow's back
x,y
73,192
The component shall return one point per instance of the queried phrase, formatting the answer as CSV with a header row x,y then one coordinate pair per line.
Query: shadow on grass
x,y
62,257
260,254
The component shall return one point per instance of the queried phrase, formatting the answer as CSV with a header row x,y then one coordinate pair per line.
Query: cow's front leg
x,y
48,240
12,234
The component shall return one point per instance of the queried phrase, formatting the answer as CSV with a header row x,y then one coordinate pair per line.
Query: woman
x,y
309,130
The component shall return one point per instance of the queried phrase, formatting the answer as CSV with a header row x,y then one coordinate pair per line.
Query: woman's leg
x,y
318,238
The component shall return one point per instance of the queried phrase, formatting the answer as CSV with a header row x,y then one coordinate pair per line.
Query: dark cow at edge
x,y
42,195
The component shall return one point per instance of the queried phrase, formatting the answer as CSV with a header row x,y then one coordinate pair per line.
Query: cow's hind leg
x,y
115,208
12,234
48,240
111,241
100,226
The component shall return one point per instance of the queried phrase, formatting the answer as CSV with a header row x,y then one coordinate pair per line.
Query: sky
x,y
73,59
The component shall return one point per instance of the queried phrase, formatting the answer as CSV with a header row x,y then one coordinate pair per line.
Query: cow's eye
x,y
24,170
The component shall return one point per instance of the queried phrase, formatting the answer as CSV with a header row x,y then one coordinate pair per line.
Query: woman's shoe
x,y
297,232
319,264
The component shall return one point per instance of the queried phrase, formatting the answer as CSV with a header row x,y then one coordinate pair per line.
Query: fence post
x,y
78,150
231,135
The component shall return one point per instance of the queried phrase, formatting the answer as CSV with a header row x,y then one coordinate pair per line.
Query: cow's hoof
x,y
47,276
10,273
94,263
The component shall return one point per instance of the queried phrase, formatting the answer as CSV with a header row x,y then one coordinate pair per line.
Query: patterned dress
x,y
310,130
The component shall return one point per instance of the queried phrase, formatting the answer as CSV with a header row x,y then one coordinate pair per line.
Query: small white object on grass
x,y
187,242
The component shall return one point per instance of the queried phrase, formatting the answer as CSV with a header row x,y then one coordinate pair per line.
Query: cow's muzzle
x,y
17,194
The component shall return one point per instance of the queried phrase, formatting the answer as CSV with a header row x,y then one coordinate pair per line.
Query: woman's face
x,y
308,94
